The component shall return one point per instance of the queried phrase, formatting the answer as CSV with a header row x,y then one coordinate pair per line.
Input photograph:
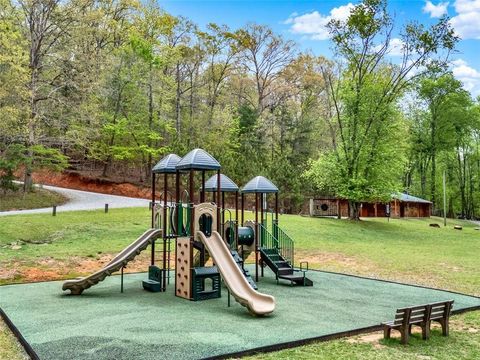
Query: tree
x,y
48,23
435,88
264,55
364,95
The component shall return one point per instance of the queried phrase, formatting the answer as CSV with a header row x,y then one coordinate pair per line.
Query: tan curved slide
x,y
257,303
76,286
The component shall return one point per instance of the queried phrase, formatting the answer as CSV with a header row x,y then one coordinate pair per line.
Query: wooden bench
x,y
421,315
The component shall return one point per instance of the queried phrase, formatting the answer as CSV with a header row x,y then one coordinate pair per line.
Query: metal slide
x,y
257,303
76,286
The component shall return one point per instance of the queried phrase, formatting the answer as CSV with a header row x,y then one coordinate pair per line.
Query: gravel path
x,y
84,200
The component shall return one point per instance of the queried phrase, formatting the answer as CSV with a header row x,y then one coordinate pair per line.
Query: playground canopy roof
x,y
409,198
198,159
259,184
226,184
167,164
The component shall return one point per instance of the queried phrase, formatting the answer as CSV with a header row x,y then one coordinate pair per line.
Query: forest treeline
x,y
113,85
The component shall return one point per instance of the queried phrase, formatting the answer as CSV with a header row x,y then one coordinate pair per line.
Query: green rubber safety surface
x,y
106,324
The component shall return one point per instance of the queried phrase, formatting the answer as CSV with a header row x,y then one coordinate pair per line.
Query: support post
x,y
164,230
223,214
177,200
262,203
202,191
243,208
121,280
106,208
236,219
263,197
276,207
153,199
54,210
192,200
218,200
256,237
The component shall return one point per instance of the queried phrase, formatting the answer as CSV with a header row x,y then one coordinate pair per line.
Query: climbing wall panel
x,y
183,266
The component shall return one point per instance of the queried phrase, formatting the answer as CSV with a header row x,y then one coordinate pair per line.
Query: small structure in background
x,y
401,205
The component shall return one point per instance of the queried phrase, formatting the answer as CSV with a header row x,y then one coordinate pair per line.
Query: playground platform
x,y
106,324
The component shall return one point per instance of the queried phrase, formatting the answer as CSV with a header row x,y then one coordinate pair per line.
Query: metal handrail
x,y
267,240
286,245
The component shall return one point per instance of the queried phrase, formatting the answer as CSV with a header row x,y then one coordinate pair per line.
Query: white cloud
x,y
395,48
314,24
469,76
466,21
435,11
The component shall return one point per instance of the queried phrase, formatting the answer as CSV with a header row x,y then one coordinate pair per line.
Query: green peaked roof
x,y
410,198
198,159
226,184
167,164
259,184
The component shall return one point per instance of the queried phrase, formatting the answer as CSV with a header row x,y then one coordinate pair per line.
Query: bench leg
x,y
426,331
445,327
386,332
405,336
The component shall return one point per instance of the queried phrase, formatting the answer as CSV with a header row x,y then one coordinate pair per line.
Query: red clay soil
x,y
79,181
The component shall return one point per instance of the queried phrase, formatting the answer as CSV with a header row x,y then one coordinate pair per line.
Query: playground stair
x,y
276,252
239,261
282,268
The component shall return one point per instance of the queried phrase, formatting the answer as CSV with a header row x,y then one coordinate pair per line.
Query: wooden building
x,y
401,205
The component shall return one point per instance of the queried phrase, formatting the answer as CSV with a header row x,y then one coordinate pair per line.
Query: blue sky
x,y
303,21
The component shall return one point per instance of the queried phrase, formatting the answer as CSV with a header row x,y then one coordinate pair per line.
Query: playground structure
x,y
191,232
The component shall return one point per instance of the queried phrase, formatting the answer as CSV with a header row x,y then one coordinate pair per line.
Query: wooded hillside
x,y
113,85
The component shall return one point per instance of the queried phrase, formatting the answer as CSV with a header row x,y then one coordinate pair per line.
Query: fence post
x,y
54,212
106,208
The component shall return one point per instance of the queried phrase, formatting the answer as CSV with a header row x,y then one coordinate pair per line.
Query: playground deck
x,y
104,323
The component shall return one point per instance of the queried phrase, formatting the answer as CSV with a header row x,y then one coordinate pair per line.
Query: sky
x,y
304,22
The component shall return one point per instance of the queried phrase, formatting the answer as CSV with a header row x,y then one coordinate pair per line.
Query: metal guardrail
x,y
267,240
286,245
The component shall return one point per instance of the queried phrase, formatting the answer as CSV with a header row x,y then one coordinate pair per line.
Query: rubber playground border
x,y
262,349
26,345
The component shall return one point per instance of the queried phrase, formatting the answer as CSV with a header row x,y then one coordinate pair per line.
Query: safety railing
x,y
286,245
267,240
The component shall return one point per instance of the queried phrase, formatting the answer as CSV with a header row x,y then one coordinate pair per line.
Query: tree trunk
x,y
177,101
149,164
354,210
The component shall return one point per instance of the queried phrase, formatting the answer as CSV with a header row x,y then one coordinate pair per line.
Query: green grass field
x,y
39,198
405,250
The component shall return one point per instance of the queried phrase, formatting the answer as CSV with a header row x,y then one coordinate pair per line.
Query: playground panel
x,y
104,323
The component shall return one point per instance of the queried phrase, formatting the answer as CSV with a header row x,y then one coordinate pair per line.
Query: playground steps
x,y
282,268
239,261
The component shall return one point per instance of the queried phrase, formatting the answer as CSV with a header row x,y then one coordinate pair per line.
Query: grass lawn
x,y
38,198
40,247
463,343
10,349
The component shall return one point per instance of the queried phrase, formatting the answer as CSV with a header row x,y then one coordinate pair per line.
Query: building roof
x,y
259,184
198,159
226,184
409,198
167,164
